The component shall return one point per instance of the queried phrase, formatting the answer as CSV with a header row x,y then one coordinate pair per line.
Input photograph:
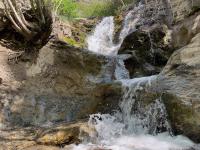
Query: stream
x,y
134,127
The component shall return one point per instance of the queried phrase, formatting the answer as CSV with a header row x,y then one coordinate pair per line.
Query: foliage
x,y
96,8
93,8
67,8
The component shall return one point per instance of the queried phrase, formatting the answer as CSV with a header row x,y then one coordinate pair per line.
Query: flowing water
x,y
134,127
139,124
101,41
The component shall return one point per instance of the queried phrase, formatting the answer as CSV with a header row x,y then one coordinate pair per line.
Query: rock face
x,y
173,11
182,81
149,50
184,31
178,87
61,86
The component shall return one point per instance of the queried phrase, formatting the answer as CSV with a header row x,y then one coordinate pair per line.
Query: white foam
x,y
139,81
142,142
101,41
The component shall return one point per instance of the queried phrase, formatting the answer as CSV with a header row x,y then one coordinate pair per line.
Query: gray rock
x,y
64,84
181,83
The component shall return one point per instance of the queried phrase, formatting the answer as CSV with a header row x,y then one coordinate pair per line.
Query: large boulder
x,y
65,134
63,84
49,138
181,83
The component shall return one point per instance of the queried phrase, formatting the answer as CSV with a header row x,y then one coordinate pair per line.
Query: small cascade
x,y
138,118
135,126
130,22
120,71
101,41
139,124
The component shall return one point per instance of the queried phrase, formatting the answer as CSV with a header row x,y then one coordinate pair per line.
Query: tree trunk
x,y
30,22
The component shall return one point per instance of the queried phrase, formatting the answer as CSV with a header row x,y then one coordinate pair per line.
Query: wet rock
x,y
42,147
66,134
17,138
150,50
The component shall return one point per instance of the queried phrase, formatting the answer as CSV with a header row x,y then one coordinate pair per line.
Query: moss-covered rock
x,y
75,32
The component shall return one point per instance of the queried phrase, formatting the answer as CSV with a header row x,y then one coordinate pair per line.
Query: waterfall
x,y
130,22
135,127
138,124
101,41
138,118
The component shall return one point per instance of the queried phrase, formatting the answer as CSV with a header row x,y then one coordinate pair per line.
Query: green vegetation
x,y
97,8
94,8
66,8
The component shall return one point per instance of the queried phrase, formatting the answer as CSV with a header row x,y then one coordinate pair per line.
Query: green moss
x,y
70,41
77,40
79,30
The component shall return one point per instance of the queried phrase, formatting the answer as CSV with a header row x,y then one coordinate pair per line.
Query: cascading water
x,y
135,127
138,118
101,41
